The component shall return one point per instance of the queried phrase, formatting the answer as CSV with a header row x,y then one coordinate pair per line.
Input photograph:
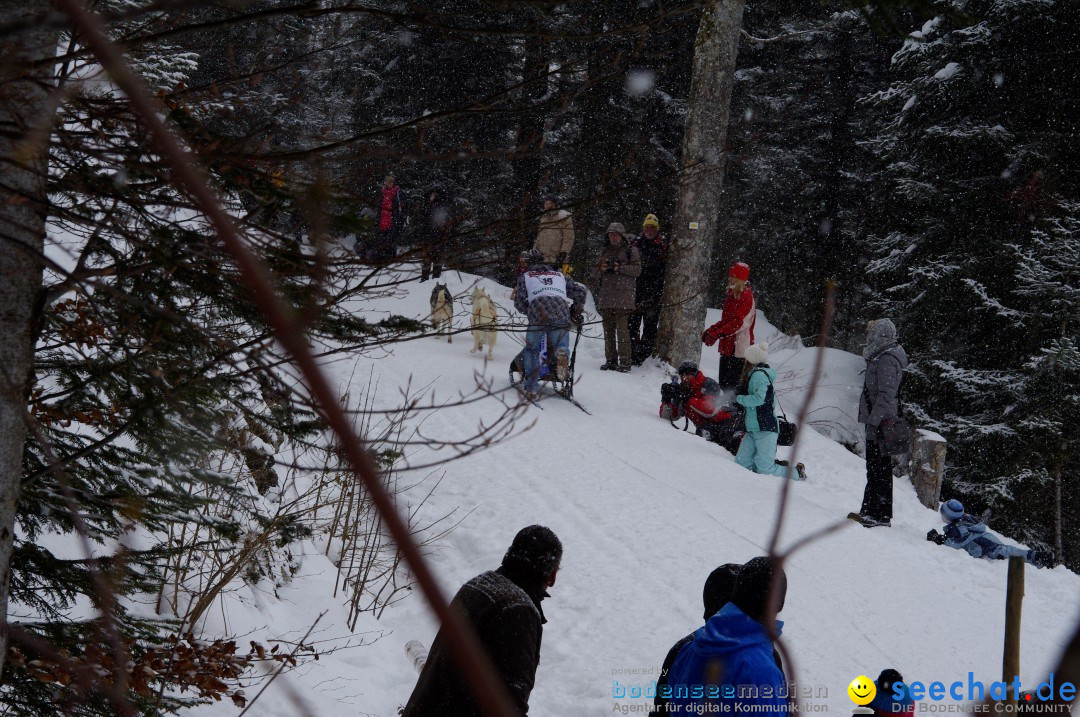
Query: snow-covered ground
x,y
645,513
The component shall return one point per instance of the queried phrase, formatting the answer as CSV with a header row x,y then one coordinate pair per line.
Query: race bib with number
x,y
545,283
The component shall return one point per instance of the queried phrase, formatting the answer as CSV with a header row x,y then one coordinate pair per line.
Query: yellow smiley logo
x,y
861,690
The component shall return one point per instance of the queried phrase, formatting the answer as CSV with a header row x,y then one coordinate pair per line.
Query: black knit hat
x,y
752,588
719,587
688,367
536,552
887,679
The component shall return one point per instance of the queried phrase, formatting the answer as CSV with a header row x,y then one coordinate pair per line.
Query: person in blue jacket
x,y
893,696
757,451
965,532
730,662
719,587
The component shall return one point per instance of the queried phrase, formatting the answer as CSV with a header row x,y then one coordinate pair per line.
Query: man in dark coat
x,y
653,248
885,364
503,607
732,651
436,236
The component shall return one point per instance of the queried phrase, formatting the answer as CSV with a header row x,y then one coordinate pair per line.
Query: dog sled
x,y
548,374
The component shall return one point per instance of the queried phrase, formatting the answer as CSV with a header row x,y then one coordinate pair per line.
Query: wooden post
x,y
926,466
1014,598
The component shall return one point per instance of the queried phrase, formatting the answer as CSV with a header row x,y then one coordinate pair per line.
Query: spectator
x,y
734,650
503,607
718,589
735,329
650,289
555,237
617,272
388,223
435,236
967,533
700,404
757,452
885,364
885,702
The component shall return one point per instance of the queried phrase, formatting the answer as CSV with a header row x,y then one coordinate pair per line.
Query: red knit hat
x,y
740,271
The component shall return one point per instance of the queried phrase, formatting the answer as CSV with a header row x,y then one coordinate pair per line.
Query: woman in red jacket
x,y
735,329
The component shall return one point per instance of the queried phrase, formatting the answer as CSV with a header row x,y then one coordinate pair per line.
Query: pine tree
x,y
24,80
157,396
795,206
978,155
1048,404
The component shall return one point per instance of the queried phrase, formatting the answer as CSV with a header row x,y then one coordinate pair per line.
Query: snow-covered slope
x,y
645,513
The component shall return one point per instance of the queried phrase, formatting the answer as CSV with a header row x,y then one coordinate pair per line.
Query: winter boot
x,y
608,366
800,471
623,368
867,521
562,366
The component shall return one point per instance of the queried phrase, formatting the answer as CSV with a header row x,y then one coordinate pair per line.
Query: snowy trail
x,y
645,513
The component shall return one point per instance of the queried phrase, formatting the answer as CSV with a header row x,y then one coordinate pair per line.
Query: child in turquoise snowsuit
x,y
757,452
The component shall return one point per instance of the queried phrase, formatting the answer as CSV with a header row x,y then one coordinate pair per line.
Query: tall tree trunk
x,y
701,182
1059,546
527,167
24,123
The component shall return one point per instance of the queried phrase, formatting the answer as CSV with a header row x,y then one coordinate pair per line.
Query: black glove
x,y
577,316
935,537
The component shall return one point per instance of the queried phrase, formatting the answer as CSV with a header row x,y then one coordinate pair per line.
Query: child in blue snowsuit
x,y
757,451
964,532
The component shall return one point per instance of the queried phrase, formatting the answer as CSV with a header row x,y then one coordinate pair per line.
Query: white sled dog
x,y
485,322
442,312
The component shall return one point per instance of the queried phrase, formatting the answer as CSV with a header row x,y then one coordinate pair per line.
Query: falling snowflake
x,y
638,82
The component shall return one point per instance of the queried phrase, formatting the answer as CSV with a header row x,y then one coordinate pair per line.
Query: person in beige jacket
x,y
555,238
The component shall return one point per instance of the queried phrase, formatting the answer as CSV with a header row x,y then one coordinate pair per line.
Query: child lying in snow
x,y
964,532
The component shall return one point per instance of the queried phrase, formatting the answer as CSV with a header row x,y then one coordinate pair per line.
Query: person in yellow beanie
x,y
653,248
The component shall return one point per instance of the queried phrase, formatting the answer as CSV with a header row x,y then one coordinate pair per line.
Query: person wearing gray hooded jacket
x,y
885,364
617,273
